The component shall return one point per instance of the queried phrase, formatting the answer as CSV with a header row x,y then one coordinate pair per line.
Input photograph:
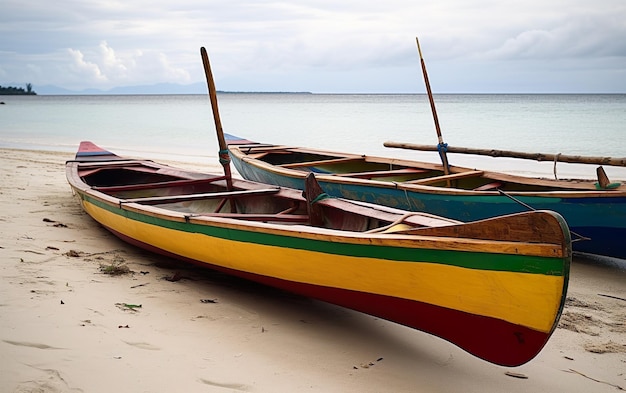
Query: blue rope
x,y
224,157
442,148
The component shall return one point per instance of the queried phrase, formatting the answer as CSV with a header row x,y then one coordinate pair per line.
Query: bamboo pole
x,y
515,154
442,147
223,153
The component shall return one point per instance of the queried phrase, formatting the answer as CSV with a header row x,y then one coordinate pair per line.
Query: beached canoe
x,y
495,288
594,214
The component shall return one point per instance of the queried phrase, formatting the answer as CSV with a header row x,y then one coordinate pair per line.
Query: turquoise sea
x,y
180,127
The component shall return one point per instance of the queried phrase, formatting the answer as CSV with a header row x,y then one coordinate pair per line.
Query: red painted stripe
x,y
490,339
235,140
88,149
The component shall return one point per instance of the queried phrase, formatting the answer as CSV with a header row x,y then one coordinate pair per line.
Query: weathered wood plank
x,y
454,176
371,174
147,186
193,197
322,162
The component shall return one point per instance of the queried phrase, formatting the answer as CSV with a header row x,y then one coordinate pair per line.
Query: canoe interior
x,y
374,168
203,194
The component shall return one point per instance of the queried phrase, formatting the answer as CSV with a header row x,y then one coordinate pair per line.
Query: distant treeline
x,y
10,90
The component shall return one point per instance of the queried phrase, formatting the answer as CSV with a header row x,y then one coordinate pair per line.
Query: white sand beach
x,y
66,326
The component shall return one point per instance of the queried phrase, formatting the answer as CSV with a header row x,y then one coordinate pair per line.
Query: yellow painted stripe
x,y
532,300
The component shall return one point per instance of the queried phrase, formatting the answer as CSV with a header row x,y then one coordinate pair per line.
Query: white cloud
x,y
84,68
103,44
104,67
112,64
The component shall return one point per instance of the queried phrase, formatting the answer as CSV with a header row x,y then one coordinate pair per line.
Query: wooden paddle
x,y
223,153
442,147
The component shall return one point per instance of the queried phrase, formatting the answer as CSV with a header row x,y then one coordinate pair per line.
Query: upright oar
x,y
223,153
441,147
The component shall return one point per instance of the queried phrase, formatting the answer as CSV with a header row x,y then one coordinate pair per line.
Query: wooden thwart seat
x,y
388,173
257,146
111,163
162,184
193,197
89,168
321,162
453,176
262,149
260,216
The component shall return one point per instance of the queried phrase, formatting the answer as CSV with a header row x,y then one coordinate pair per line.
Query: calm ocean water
x,y
181,127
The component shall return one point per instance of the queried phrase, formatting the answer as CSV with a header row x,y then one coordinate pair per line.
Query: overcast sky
x,y
323,46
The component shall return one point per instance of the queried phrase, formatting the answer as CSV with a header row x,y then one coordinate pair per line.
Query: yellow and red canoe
x,y
495,287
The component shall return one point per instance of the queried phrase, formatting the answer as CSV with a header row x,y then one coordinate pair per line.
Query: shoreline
x,y
64,326
513,166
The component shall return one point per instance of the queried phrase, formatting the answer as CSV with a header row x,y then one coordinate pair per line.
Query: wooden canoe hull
x,y
484,337
597,215
500,300
428,292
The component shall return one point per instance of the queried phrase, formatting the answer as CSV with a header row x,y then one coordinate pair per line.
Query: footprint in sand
x,y
51,382
29,344
234,386
141,345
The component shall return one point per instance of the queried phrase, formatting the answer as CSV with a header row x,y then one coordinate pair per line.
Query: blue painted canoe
x,y
596,217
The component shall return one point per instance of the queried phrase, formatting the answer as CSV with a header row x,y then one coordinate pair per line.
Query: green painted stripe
x,y
466,259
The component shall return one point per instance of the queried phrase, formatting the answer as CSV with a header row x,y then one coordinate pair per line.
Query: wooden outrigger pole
x,y
441,147
613,161
223,153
